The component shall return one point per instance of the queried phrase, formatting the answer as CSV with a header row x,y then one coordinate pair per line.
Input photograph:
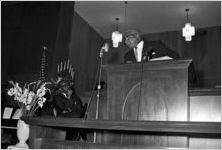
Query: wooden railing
x,y
205,129
129,125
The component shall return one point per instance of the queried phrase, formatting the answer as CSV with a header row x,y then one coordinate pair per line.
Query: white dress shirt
x,y
138,51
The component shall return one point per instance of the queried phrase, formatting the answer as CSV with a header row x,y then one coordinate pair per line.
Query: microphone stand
x,y
98,90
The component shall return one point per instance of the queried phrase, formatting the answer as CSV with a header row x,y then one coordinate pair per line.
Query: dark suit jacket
x,y
159,48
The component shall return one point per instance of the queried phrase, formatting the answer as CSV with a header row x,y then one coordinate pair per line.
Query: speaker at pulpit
x,y
156,90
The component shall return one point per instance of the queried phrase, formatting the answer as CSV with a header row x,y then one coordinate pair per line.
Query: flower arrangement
x,y
30,97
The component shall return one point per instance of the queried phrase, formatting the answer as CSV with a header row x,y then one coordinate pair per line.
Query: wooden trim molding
x,y
205,92
152,65
128,125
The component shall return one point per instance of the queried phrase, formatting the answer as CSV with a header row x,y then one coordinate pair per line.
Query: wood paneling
x,y
84,47
204,143
205,108
46,132
204,49
204,92
46,143
147,91
30,25
183,127
169,85
65,21
26,28
205,105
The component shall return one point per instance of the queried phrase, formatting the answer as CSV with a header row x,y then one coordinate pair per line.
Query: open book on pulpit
x,y
161,58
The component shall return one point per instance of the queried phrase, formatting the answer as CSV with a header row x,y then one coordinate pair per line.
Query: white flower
x,y
41,101
24,96
29,99
41,91
26,91
18,88
31,96
11,91
28,107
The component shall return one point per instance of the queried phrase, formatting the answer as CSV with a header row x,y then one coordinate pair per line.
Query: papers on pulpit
x,y
17,114
7,113
161,58
10,114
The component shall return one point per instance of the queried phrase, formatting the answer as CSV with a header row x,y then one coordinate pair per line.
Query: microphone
x,y
104,48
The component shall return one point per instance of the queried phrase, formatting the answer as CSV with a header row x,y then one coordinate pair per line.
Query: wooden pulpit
x,y
152,91
147,106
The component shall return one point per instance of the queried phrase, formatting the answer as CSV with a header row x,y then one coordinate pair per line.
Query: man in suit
x,y
142,51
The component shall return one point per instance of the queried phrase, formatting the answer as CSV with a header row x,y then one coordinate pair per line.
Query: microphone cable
x,y
141,77
140,88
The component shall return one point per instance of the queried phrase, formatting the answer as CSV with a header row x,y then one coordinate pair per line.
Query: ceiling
x,y
148,16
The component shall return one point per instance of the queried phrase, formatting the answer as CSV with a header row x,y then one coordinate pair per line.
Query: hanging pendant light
x,y
116,35
188,30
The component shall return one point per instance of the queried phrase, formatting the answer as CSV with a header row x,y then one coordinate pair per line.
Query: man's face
x,y
131,41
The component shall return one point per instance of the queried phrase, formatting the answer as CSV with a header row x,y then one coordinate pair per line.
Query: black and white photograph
x,y
111,74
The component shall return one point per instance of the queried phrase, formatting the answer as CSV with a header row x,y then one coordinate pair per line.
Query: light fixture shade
x,y
116,38
188,38
188,31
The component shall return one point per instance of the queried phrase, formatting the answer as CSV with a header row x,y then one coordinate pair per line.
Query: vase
x,y
22,134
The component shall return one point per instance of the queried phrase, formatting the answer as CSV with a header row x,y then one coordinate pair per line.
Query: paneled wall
x,y
204,49
26,27
85,45
61,49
